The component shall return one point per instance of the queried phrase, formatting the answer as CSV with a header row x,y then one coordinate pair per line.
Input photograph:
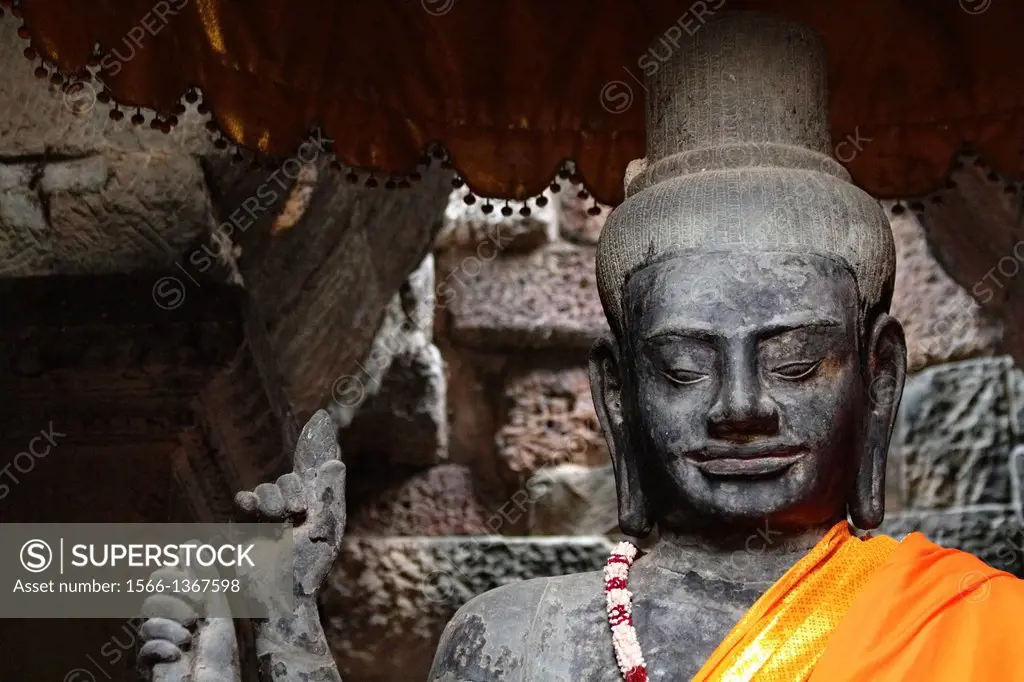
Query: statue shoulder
x,y
488,639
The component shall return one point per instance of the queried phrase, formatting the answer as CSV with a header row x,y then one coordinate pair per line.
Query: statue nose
x,y
741,411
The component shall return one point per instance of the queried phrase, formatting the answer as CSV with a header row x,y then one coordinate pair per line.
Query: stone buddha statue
x,y
747,392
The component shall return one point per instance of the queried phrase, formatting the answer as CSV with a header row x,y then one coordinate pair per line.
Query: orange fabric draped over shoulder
x,y
783,635
930,613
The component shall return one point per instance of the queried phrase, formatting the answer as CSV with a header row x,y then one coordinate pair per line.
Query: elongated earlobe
x,y
886,373
606,388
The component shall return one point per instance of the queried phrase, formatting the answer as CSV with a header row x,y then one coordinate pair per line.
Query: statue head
x,y
753,372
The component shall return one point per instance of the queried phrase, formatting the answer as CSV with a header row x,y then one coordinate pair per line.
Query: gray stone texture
x,y
573,500
105,213
388,599
957,404
549,420
543,300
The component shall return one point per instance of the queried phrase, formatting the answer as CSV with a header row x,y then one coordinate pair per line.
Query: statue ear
x,y
886,373
606,388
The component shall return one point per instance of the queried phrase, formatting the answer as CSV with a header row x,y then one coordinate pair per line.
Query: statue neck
x,y
757,558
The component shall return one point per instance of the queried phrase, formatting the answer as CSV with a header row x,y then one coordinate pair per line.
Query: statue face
x,y
743,386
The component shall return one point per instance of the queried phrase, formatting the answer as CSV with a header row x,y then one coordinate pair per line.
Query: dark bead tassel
x,y
403,184
487,208
371,182
138,119
116,114
542,201
470,199
41,72
898,209
525,211
30,54
555,187
390,184
506,210
191,96
352,178
457,182
583,194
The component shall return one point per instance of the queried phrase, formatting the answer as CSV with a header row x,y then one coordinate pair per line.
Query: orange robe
x,y
881,611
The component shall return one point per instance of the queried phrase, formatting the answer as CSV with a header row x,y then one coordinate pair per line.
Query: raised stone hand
x,y
181,642
290,644
312,496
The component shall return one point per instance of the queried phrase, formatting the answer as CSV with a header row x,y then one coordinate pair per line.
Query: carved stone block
x,y
547,299
956,405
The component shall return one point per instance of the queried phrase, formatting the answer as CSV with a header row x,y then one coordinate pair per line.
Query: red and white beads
x,y
620,609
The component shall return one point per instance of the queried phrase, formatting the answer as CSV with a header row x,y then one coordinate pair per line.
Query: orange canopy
x,y
512,88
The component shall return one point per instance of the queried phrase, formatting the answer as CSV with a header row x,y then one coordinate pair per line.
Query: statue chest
x,y
679,622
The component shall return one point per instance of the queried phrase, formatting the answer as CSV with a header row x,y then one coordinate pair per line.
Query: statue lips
x,y
748,460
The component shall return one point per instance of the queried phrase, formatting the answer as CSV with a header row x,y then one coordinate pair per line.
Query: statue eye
x,y
684,377
796,370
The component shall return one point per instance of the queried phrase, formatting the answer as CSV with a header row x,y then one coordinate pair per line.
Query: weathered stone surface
x,y
938,476
439,501
575,222
942,320
550,420
123,212
388,599
467,227
991,532
956,405
396,406
26,241
573,500
547,299
1016,388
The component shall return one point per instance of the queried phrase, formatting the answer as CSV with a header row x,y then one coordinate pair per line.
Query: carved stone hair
x,y
740,161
